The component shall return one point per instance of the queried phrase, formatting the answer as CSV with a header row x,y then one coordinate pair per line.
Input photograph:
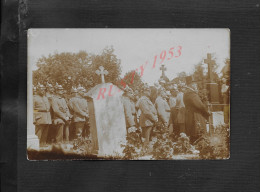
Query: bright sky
x,y
136,46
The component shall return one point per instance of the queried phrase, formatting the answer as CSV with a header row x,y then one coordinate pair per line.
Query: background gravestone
x,y
212,86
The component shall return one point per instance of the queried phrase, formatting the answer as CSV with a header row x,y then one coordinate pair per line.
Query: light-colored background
x,y
135,46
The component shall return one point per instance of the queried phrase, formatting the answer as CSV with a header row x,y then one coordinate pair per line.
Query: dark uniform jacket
x,y
60,110
163,109
79,108
41,108
180,108
130,113
148,112
196,113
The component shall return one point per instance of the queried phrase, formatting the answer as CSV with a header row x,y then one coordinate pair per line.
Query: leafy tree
x,y
110,62
133,80
180,78
201,80
73,69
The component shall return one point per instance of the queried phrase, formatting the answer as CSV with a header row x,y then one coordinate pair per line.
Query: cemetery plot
x,y
133,94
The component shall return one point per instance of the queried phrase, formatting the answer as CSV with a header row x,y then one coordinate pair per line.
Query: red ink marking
x,y
123,83
163,55
179,51
155,57
110,90
133,75
171,53
142,67
100,93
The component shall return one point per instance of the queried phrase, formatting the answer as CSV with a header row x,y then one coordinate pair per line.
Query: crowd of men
x,y
176,109
60,118
57,117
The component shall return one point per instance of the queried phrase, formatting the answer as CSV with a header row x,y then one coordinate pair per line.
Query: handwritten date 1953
x,y
173,52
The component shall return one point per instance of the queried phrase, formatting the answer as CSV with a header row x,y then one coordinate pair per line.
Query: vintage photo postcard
x,y
128,94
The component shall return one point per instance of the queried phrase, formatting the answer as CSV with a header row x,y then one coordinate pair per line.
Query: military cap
x,y
161,80
73,90
40,86
168,93
80,88
161,89
48,85
156,85
58,87
146,88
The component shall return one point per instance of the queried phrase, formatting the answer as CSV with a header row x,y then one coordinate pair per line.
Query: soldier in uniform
x,y
50,91
177,118
148,116
172,98
163,109
129,108
42,116
79,108
73,93
62,116
196,112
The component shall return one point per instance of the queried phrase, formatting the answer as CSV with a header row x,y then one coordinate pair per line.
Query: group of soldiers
x,y
176,109
59,118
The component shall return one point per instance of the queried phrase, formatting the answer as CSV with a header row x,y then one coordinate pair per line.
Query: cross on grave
x,y
212,86
102,72
210,63
163,69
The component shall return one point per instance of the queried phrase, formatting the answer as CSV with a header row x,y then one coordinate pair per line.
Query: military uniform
x,y
172,102
196,114
147,118
163,110
51,127
61,118
79,108
178,115
41,117
130,112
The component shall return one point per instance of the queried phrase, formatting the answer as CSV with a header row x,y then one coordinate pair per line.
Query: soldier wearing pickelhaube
x,y
42,116
163,108
129,108
148,116
62,116
50,92
79,108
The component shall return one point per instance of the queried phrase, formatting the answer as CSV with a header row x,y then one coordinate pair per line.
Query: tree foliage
x,y
73,69
133,80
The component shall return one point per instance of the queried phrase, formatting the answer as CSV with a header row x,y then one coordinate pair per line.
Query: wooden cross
x,y
163,69
102,72
210,63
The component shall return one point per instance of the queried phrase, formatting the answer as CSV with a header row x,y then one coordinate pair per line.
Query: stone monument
x,y
106,117
211,85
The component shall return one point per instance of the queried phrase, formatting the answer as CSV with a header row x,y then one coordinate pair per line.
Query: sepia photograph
x,y
128,94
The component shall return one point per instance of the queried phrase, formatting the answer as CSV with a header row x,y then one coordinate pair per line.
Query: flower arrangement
x,y
133,145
